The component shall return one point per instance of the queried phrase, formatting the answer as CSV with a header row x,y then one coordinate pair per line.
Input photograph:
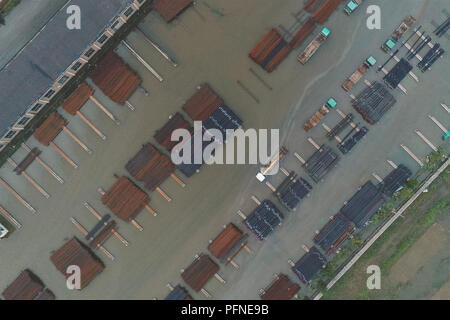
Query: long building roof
x,y
50,52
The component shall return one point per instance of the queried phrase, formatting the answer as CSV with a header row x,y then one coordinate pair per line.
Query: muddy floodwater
x,y
211,42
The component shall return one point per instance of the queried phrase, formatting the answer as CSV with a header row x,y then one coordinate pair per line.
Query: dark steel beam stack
x,y
178,293
349,142
336,231
373,102
223,119
264,219
432,55
363,205
292,190
309,265
321,162
397,73
395,179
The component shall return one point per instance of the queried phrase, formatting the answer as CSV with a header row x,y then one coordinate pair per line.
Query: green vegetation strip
x,y
9,6
418,223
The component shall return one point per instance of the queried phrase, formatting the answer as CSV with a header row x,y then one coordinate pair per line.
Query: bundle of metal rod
x,y
347,144
419,47
341,126
442,28
427,65
428,55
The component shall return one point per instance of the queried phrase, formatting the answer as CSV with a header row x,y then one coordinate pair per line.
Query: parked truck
x,y
314,45
351,6
358,74
398,33
320,114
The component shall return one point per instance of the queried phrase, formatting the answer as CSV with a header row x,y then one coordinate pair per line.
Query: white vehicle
x,y
3,231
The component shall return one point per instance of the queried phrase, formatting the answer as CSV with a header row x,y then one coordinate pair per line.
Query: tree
x,y
412,184
434,159
405,193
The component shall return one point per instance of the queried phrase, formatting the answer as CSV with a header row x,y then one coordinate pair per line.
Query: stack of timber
x,y
50,128
292,190
395,180
27,161
202,104
74,252
230,238
125,199
281,289
308,265
170,9
150,166
78,98
115,78
397,73
312,5
223,119
200,272
373,102
303,33
270,50
264,219
325,10
363,205
27,286
336,231
163,135
178,293
321,162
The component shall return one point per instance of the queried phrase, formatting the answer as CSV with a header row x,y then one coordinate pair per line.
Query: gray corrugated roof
x,y
49,54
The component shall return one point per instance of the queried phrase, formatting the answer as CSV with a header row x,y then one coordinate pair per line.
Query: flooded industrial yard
x,y
210,43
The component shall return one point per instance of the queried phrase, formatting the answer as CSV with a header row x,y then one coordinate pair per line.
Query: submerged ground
x,y
211,43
